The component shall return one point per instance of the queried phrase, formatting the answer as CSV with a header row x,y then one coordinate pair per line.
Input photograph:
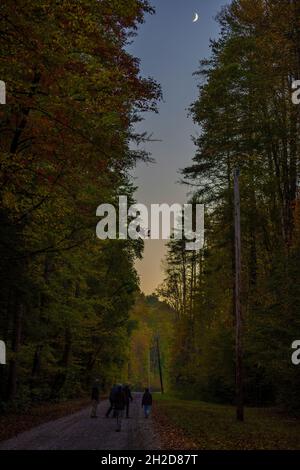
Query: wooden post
x,y
238,308
149,367
159,365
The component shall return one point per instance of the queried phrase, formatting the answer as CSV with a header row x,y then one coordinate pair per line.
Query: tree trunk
x,y
16,343
238,310
61,376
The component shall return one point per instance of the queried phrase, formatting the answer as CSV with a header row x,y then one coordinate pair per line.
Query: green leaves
x,y
74,93
247,119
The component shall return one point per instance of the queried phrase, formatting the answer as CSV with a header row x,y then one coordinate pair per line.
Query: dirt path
x,y
80,432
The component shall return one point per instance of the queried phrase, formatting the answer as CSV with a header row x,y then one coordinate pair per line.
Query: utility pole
x,y
238,307
159,365
149,368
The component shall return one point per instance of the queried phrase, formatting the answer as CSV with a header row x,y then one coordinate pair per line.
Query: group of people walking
x,y
120,398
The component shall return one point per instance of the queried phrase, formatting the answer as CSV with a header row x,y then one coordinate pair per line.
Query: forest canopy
x,y
74,94
248,121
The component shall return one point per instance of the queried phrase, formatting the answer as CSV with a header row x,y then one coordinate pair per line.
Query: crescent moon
x,y
196,18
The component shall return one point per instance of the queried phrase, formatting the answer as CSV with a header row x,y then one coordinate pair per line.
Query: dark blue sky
x,y
170,47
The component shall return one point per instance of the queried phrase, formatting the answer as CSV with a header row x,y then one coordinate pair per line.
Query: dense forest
x,y
73,96
70,305
247,121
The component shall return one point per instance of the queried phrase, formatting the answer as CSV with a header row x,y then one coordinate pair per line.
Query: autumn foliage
x,y
73,96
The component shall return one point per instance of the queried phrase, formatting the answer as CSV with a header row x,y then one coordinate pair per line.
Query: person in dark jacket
x,y
112,400
147,403
119,405
95,398
128,399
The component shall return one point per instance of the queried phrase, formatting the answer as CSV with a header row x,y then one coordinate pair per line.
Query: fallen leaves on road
x,y
13,424
171,437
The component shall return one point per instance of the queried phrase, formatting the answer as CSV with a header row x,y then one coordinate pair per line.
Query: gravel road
x,y
80,432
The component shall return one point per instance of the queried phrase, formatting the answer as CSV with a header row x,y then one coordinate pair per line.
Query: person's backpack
x,y
147,399
119,400
95,393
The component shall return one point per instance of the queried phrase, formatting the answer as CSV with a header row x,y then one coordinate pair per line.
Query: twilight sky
x,y
170,47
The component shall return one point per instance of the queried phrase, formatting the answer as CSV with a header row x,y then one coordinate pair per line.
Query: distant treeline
x,y
247,121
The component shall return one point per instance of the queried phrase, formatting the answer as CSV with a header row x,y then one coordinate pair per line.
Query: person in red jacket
x,y
147,403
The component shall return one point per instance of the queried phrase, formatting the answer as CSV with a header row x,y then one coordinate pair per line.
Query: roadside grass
x,y
208,426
